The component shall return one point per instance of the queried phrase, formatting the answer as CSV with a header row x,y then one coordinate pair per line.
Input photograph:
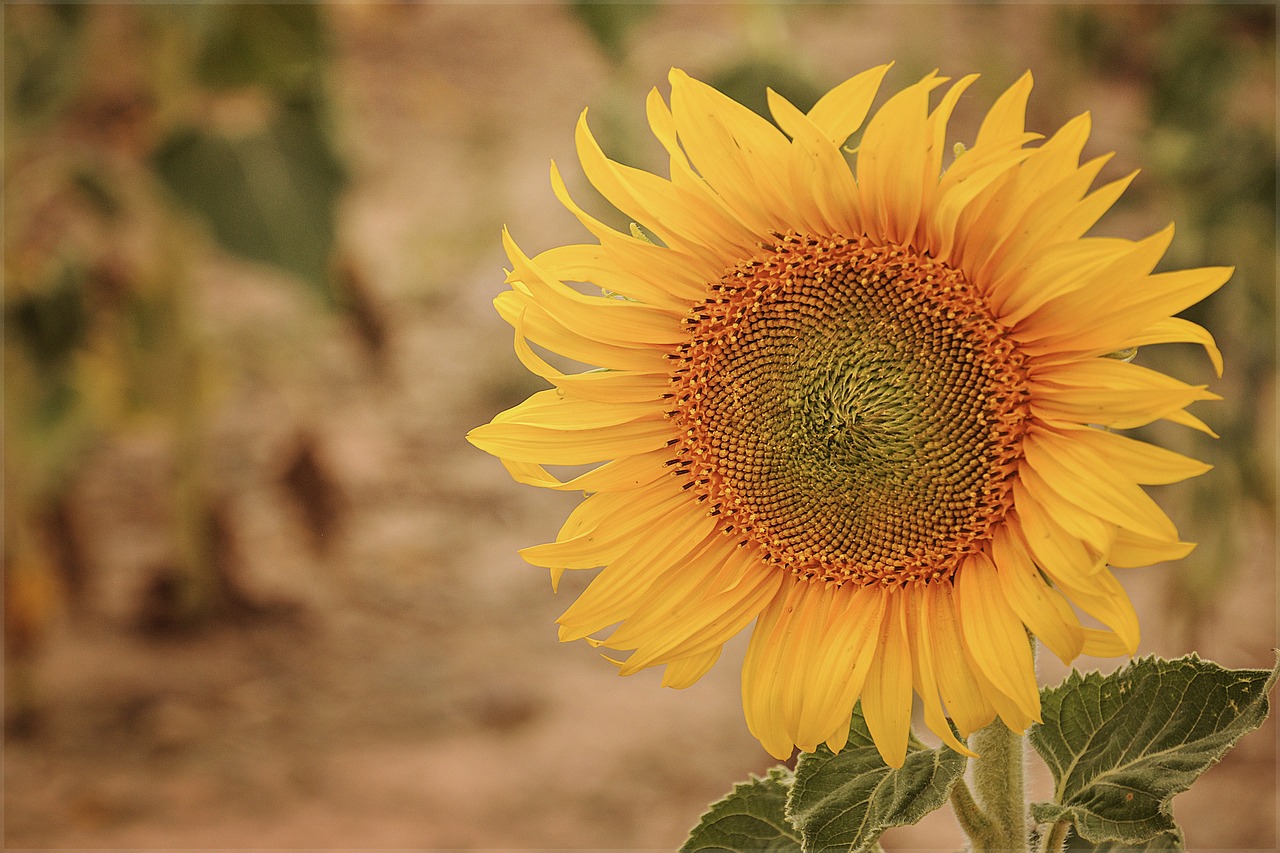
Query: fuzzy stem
x,y
998,779
973,820
1055,838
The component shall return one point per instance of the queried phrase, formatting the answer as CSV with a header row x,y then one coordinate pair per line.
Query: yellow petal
x,y
985,227
1177,330
1056,270
615,526
891,161
1060,554
657,203
1129,458
1061,213
1131,550
1111,393
935,132
539,326
1097,533
694,607
762,674
1120,264
970,183
1007,116
994,634
611,597
601,386
631,472
965,701
1104,644
886,698
1102,316
558,445
1106,600
553,409
1041,608
591,263
685,276
841,659
1187,419
819,171
840,112
1010,712
924,671
739,154
683,673
1096,592
1075,471
593,316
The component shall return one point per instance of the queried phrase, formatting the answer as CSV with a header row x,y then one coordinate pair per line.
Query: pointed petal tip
x,y
778,752
476,437
894,757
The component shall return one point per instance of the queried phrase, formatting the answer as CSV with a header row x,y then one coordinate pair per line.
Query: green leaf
x,y
1165,842
845,801
611,24
749,819
269,196
1122,745
274,44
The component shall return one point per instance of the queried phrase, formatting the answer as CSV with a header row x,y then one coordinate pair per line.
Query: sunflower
x,y
864,400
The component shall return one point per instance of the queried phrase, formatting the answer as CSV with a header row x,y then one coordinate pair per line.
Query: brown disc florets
x,y
853,410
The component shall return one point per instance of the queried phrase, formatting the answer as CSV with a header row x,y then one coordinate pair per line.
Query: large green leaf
x,y
749,820
844,802
1165,842
1122,745
268,196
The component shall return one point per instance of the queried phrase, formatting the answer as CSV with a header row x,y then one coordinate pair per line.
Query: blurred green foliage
x,y
133,133
269,196
612,24
266,178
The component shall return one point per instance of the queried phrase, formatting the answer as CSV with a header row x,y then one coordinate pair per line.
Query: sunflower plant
x,y
868,393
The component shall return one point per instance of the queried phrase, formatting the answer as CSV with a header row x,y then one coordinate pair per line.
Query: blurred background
x,y
259,592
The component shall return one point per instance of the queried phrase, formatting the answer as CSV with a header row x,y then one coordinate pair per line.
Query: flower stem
x,y
998,780
973,820
1055,838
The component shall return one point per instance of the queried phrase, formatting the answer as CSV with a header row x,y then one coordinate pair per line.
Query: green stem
x,y
1055,838
998,780
973,820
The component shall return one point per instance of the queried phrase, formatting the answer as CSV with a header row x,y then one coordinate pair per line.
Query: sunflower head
x,y
858,395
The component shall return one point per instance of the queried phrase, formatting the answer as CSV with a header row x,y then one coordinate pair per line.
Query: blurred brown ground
x,y
399,683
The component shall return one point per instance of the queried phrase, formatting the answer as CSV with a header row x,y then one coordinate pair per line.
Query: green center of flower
x,y
853,410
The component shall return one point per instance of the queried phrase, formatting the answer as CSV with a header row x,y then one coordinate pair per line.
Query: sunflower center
x,y
854,410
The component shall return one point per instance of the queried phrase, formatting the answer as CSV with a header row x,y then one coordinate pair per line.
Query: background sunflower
x,y
335,479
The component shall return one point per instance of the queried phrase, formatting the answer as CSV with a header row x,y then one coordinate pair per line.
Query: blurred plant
x,y
1209,77
611,24
133,133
